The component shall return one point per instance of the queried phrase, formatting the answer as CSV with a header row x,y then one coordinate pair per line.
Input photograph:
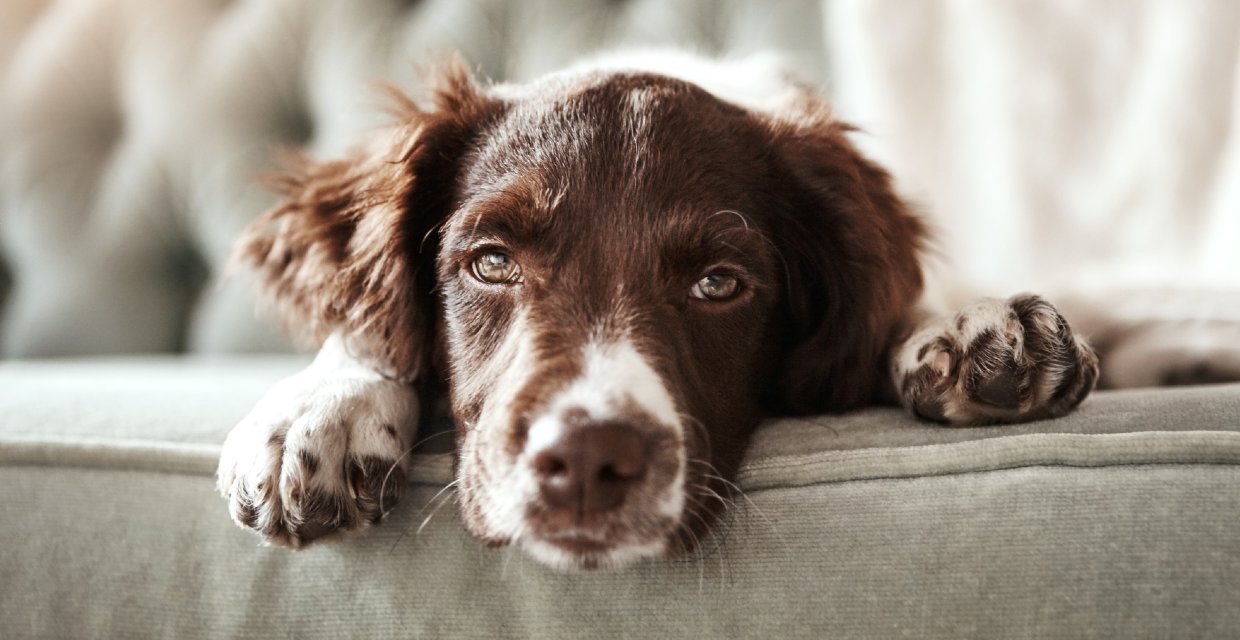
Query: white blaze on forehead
x,y
614,374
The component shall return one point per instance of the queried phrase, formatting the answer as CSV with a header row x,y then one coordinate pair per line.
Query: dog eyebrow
x,y
744,219
517,213
726,230
725,225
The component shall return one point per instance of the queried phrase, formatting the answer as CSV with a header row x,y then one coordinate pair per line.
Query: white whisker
x,y
442,502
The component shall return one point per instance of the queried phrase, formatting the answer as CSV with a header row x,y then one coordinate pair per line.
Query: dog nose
x,y
590,467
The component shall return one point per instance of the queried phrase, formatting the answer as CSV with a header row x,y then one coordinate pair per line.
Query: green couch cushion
x,y
1119,520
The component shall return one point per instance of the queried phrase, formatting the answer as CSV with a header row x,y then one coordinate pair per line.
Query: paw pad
x,y
1000,361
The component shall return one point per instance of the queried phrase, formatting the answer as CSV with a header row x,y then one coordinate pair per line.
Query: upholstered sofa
x,y
130,132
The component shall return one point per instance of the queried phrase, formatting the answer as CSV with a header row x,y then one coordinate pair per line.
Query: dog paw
x,y
322,453
999,361
1173,352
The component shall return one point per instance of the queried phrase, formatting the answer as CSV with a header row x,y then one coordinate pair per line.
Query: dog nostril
x,y
628,465
548,464
591,467
609,474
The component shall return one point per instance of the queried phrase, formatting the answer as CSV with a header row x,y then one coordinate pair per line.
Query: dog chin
x,y
571,553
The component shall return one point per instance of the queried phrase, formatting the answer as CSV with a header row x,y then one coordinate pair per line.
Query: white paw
x,y
322,453
998,361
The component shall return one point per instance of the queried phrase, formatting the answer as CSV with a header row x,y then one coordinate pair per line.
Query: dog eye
x,y
495,267
716,287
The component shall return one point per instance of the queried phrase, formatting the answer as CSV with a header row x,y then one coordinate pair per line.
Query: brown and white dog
x,y
618,271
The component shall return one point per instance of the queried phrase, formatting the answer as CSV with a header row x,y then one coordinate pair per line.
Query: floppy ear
x,y
351,247
851,249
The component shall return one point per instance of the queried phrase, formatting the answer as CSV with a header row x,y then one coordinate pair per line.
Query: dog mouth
x,y
580,544
582,534
585,552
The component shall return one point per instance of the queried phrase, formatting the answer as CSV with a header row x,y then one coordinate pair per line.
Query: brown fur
x,y
614,196
351,245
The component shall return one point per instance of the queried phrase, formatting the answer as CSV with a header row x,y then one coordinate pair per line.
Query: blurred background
x,y
1062,146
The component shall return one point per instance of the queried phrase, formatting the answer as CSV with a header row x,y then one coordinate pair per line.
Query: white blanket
x,y
1060,145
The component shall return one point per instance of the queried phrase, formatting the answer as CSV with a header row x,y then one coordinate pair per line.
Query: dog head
x,y
618,273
